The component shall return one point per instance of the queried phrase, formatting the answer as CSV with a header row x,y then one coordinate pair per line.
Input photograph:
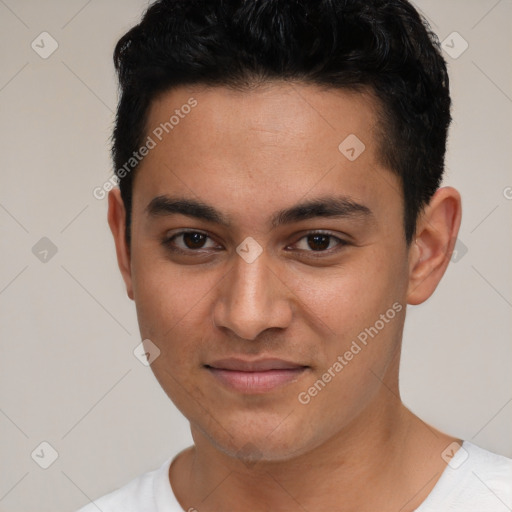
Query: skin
x,y
250,155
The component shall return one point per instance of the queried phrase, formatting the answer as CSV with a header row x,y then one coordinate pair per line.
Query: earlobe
x,y
430,252
117,223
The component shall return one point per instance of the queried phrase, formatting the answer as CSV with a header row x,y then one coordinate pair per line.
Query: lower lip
x,y
256,382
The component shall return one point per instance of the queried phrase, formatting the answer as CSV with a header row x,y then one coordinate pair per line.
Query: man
x,y
279,164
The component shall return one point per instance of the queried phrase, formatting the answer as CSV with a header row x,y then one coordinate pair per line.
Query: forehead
x,y
274,144
275,112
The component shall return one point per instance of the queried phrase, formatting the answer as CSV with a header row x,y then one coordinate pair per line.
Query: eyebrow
x,y
329,206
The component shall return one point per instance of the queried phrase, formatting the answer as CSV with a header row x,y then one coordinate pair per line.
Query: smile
x,y
256,376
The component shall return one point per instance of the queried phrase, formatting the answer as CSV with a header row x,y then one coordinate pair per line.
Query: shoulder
x,y
138,495
490,468
474,480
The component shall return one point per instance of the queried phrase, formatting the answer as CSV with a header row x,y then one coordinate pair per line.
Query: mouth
x,y
253,377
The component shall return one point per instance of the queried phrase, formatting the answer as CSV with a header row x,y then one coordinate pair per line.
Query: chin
x,y
260,439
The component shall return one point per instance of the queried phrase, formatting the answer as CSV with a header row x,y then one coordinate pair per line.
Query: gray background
x,y
68,374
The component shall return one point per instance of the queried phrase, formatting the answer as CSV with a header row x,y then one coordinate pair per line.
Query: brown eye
x,y
194,240
190,242
319,242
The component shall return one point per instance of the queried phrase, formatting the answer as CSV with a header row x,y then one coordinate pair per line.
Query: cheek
x,y
362,306
351,296
171,309
353,367
166,293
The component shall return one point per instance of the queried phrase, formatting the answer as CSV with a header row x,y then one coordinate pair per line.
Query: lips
x,y
252,377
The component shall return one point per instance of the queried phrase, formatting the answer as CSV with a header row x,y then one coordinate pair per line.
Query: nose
x,y
252,299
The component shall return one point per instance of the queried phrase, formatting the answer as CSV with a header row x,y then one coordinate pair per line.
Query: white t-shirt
x,y
476,480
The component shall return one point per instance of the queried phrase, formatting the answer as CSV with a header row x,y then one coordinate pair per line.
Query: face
x,y
268,265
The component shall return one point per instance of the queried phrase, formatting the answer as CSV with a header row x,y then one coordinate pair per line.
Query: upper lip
x,y
259,365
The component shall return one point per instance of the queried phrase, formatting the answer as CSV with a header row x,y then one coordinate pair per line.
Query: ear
x,y
430,252
117,223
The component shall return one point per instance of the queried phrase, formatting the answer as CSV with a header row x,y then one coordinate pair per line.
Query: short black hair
x,y
383,46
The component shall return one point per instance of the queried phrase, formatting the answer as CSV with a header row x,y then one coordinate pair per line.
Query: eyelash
x,y
169,243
